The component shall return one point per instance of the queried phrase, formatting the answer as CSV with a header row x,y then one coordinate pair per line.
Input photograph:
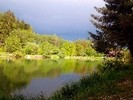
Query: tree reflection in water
x,y
18,75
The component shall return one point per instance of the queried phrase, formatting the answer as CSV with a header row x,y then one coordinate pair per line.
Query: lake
x,y
34,77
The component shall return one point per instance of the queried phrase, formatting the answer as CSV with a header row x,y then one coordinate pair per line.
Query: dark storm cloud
x,y
67,18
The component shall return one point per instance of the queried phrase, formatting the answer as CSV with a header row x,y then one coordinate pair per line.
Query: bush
x,y
68,49
1,49
31,48
12,44
126,56
48,49
18,54
112,65
54,57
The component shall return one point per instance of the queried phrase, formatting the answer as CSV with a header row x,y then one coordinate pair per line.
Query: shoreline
x,y
11,56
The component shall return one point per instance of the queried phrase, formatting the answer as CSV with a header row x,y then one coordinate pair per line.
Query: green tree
x,y
85,48
25,36
68,49
48,49
12,44
80,51
81,45
8,22
114,25
91,51
31,48
52,39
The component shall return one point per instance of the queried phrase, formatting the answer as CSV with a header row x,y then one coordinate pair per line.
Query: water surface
x,y
31,78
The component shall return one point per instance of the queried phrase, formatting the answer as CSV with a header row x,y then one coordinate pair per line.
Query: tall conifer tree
x,y
114,25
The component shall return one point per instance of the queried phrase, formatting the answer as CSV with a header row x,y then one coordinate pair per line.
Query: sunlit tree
x,y
12,44
8,22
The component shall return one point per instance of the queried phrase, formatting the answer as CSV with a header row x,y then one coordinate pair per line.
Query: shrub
x,y
54,57
126,56
12,44
18,54
1,49
31,48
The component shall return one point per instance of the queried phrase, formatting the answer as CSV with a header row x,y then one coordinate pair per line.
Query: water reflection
x,y
47,85
32,77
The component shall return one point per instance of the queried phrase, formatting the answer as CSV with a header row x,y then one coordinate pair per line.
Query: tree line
x,y
16,36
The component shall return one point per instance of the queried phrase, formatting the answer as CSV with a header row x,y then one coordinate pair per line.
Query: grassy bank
x,y
114,81
90,58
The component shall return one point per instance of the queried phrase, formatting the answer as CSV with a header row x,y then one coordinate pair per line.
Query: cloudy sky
x,y
69,19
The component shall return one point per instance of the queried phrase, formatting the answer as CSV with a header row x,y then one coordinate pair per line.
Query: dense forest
x,y
18,37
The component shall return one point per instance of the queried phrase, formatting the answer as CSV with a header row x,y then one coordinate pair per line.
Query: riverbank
x,y
11,56
90,58
113,82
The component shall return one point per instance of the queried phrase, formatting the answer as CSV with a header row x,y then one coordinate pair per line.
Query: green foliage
x,y
18,39
48,49
8,22
54,57
85,48
31,48
12,44
80,51
91,52
126,56
68,49
114,26
17,36
102,83
110,65
18,54
25,36
52,39
1,49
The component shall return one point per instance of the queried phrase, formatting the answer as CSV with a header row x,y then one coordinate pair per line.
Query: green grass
x,y
97,84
